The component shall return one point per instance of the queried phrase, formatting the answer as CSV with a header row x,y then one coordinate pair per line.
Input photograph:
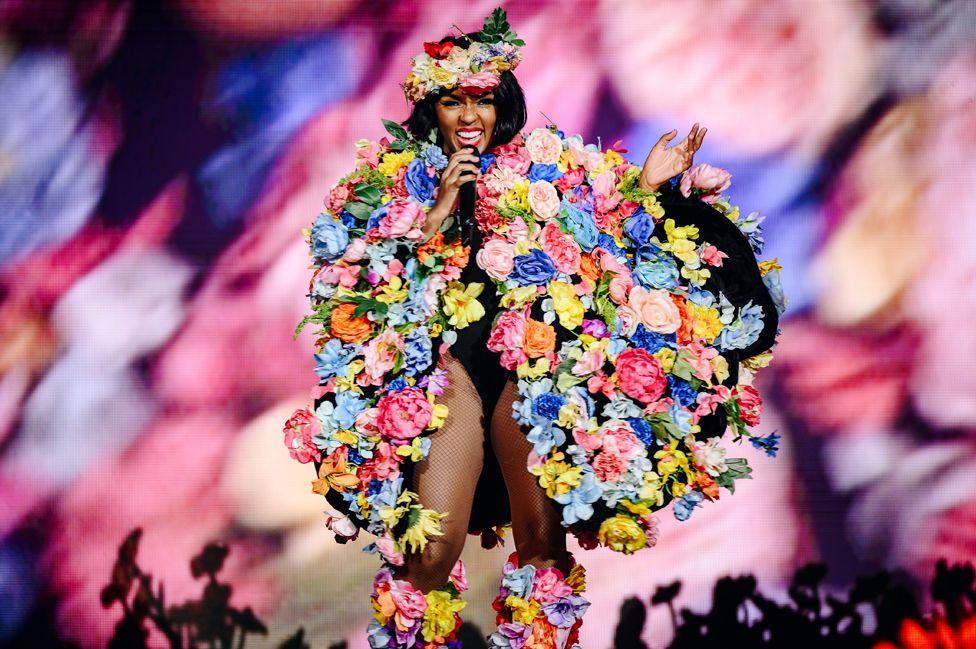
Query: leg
x,y
540,538
446,480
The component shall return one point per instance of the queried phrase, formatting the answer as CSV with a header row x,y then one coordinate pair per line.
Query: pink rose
x,y
387,549
510,359
619,439
549,585
380,354
620,285
561,248
711,255
544,146
572,178
355,251
513,157
628,320
508,332
750,404
498,181
587,441
640,375
299,431
403,218
478,84
656,309
543,199
497,258
605,194
517,229
336,201
609,466
459,576
403,414
710,180
410,602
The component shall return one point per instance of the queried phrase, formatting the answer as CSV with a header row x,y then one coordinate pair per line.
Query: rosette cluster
x,y
386,304
538,607
474,68
619,348
405,617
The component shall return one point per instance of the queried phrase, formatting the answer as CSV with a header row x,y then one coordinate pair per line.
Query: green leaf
x,y
367,193
738,469
397,131
358,209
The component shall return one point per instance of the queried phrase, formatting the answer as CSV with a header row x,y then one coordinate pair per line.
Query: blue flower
x,y
651,340
681,391
519,581
773,281
769,443
417,351
355,457
398,383
374,218
533,268
681,417
657,271
578,502
419,183
329,238
544,436
487,159
348,405
580,224
333,359
642,430
543,172
434,156
745,330
639,227
684,505
607,243
547,405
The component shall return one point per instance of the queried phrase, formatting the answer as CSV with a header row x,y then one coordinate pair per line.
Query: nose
x,y
468,114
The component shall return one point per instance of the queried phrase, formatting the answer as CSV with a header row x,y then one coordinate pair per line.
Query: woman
x,y
420,442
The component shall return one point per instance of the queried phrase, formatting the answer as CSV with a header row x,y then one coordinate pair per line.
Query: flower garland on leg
x,y
539,608
406,618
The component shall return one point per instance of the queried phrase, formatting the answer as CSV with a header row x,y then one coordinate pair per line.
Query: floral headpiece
x,y
474,69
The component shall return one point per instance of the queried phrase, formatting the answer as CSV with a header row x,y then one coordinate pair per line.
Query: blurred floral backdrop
x,y
158,160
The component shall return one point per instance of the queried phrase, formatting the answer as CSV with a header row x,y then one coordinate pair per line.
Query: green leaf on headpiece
x,y
496,28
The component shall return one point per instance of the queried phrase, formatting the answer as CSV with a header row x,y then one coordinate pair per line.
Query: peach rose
x,y
656,309
712,181
544,146
540,338
497,258
543,199
347,327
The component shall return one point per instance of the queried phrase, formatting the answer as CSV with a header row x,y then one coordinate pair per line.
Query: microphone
x,y
466,204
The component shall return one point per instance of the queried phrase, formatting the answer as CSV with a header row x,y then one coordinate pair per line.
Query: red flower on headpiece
x,y
438,50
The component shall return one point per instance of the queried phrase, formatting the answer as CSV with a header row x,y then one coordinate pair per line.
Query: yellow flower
x,y
612,158
758,361
393,291
768,265
556,476
461,304
577,578
523,611
652,207
516,198
638,509
439,415
665,356
393,161
621,534
411,450
426,523
696,276
519,296
522,247
677,234
528,370
442,76
705,323
439,618
651,489
566,304
435,329
678,489
720,367
671,461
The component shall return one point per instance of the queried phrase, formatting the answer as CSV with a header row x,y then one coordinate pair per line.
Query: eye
x,y
486,102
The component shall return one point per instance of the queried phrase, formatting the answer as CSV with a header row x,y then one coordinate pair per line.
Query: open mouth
x,y
469,137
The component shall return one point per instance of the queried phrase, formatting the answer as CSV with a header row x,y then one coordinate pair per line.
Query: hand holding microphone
x,y
457,185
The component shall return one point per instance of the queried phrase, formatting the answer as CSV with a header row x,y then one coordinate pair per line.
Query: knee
x,y
542,547
430,570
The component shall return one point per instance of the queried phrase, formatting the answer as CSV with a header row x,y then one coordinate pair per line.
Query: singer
x,y
521,329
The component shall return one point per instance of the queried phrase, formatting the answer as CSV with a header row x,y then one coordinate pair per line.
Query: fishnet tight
x,y
446,480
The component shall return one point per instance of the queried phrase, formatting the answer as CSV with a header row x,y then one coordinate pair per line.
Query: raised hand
x,y
463,166
663,163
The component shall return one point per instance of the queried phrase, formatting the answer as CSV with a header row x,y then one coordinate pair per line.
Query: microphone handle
x,y
466,194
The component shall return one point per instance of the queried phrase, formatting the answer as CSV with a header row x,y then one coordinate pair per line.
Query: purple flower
x,y
596,328
565,610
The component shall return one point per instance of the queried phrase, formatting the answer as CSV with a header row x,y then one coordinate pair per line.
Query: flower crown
x,y
475,69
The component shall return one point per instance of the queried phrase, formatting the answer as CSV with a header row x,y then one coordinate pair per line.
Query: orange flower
x,y
540,338
543,635
334,475
684,332
459,255
347,327
589,269
434,244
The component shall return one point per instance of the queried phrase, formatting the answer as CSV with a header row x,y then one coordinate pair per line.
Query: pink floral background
x,y
158,161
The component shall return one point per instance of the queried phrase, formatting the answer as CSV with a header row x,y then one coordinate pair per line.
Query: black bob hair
x,y
509,108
